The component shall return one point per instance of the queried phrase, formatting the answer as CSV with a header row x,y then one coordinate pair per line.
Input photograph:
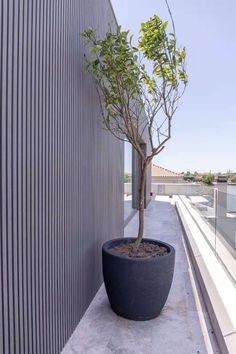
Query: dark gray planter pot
x,y
137,288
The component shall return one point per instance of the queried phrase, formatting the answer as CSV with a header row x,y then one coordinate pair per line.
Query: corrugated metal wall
x,y
61,174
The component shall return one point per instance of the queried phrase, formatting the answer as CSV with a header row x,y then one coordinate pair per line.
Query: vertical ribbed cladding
x,y
54,179
35,179
65,174
40,176
62,214
19,174
33,171
29,173
5,275
67,171
61,173
49,158
9,175
24,176
80,62
15,224
1,202
47,161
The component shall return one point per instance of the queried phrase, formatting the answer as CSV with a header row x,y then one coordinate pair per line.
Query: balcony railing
x,y
214,211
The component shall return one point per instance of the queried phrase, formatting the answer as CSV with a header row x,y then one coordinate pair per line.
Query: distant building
x,y
163,175
221,179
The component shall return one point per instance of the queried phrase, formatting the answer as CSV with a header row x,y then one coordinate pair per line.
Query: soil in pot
x,y
145,250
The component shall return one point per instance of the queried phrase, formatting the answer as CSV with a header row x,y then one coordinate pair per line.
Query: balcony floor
x,y
183,326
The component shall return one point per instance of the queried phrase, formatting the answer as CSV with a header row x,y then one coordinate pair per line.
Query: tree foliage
x,y
233,178
208,179
130,97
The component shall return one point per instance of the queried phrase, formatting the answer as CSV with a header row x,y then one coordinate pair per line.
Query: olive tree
x,y
139,88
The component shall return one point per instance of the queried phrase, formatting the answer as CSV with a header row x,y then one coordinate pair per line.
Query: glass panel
x,y
204,204
127,180
217,208
226,219
226,231
231,190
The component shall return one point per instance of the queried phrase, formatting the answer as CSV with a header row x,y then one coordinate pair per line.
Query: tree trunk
x,y
141,203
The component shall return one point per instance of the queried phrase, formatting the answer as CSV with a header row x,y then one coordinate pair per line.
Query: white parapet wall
x,y
176,188
170,188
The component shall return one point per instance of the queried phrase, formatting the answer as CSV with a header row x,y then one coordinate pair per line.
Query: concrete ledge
x,y
217,289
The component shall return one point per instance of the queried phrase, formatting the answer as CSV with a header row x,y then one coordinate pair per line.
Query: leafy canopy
x,y
133,100
208,179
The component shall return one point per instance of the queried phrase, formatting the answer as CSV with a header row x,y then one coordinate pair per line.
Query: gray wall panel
x,y
1,229
61,179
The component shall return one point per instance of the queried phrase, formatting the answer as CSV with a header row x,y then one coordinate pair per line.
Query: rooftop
x,y
158,171
184,319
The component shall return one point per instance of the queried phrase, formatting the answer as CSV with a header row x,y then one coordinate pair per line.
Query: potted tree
x,y
137,102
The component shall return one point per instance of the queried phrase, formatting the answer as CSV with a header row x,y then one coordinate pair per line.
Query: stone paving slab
x,y
183,326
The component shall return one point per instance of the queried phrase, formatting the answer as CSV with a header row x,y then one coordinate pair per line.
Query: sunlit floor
x,y
183,326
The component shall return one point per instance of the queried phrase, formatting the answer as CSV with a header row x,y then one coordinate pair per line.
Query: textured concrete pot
x,y
137,288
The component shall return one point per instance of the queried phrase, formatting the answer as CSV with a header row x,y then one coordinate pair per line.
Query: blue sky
x,y
204,128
